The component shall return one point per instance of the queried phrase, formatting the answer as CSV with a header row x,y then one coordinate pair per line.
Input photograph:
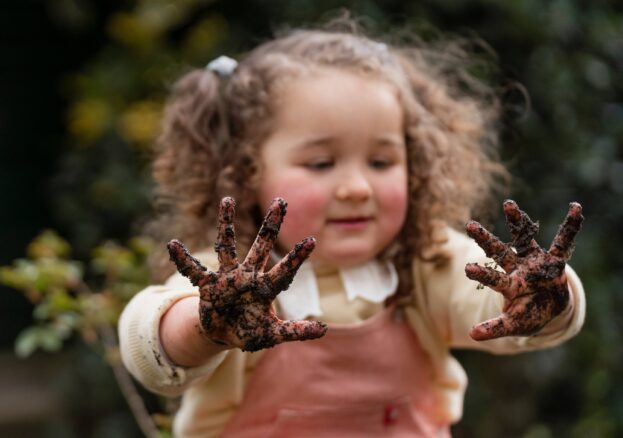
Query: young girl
x,y
379,154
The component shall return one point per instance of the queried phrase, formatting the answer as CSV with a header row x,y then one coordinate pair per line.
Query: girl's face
x,y
337,155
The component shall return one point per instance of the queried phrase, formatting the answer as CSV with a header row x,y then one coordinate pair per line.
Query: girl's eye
x,y
380,163
319,165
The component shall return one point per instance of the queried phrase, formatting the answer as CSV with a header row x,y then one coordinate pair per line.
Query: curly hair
x,y
213,130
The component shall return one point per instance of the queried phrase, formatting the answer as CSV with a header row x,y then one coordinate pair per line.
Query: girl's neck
x,y
323,268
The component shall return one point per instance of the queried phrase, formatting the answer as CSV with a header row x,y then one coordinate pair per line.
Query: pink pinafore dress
x,y
370,379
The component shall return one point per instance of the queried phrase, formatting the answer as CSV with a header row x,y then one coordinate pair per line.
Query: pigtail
x,y
186,166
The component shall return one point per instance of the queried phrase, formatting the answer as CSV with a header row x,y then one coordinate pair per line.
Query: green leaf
x,y
66,322
42,311
50,340
61,301
48,244
27,342
13,277
46,337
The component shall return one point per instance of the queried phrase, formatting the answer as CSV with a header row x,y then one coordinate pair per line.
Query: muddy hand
x,y
236,301
534,284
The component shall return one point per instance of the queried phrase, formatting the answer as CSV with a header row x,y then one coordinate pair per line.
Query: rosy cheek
x,y
303,219
393,202
305,214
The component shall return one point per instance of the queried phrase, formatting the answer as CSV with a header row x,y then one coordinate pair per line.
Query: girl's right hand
x,y
235,306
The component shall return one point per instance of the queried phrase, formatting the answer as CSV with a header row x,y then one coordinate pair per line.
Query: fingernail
x,y
309,242
576,207
472,226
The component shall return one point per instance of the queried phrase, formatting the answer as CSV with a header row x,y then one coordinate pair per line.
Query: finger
x,y
563,243
187,265
522,228
266,237
288,331
282,274
498,281
225,245
492,246
491,329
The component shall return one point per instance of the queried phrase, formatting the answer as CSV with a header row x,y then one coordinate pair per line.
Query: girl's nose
x,y
354,186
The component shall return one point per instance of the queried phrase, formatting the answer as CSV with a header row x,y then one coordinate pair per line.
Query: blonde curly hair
x,y
213,129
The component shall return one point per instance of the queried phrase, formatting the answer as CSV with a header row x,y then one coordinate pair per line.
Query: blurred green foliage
x,y
64,303
562,140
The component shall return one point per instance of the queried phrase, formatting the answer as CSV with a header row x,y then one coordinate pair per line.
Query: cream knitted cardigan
x,y
446,305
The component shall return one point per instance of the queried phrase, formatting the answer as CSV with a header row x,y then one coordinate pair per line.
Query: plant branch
x,y
128,389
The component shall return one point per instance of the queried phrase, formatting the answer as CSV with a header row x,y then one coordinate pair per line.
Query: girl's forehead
x,y
318,99
337,108
323,83
337,94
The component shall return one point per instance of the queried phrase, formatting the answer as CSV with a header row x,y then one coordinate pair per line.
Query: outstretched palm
x,y
236,301
534,285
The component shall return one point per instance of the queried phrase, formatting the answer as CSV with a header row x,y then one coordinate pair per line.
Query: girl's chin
x,y
342,259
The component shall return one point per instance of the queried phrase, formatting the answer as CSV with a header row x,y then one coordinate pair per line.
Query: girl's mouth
x,y
351,223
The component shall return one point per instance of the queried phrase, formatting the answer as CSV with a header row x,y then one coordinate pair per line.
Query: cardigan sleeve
x,y
455,304
139,338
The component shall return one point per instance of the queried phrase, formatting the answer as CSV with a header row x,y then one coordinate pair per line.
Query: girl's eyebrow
x,y
322,140
390,140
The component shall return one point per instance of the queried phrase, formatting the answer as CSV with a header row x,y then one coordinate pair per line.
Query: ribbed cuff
x,y
141,350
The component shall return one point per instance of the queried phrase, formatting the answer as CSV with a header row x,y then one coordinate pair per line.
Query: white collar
x,y
372,281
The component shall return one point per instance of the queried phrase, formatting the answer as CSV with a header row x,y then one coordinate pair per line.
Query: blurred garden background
x,y
82,84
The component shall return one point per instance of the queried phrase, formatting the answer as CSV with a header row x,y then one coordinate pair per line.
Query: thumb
x,y
491,329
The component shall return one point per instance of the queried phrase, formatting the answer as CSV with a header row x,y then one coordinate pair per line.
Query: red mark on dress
x,y
390,416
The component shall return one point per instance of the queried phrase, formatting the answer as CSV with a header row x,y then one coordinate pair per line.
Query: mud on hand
x,y
235,306
534,284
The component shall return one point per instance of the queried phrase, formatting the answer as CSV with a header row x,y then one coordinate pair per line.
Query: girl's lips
x,y
355,223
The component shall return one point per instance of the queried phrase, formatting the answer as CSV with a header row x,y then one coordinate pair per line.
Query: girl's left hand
x,y
534,285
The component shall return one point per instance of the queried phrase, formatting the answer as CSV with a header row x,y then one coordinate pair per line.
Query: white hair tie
x,y
224,66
